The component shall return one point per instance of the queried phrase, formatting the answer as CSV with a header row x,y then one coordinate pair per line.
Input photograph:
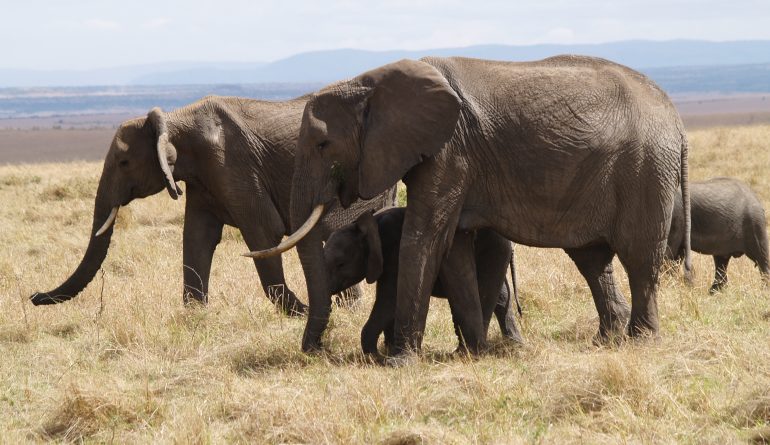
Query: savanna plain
x,y
125,362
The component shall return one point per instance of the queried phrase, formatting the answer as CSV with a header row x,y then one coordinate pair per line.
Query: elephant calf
x,y
727,221
369,248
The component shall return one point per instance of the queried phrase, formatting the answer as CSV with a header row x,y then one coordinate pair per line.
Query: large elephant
x,y
236,157
572,152
728,221
368,249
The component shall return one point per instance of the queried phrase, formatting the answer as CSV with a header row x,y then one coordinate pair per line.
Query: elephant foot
x,y
612,338
470,349
402,360
369,344
195,302
464,351
513,337
295,308
612,333
642,329
287,301
716,287
312,348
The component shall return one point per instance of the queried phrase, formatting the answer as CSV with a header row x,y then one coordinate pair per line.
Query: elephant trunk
x,y
305,205
92,259
310,251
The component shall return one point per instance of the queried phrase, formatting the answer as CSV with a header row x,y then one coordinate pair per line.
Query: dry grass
x,y
133,366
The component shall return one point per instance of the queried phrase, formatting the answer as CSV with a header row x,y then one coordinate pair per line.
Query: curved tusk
x,y
293,239
107,224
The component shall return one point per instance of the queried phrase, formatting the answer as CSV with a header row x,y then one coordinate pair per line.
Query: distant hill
x,y
713,79
328,66
132,99
680,67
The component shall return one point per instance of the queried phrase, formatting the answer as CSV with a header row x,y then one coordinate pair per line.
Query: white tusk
x,y
108,223
293,239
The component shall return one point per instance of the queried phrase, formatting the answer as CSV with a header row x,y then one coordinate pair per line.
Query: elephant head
x,y
357,138
353,253
139,163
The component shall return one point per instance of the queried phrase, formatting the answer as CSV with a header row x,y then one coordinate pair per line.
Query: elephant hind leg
x,y
643,268
757,251
720,273
460,282
505,316
271,274
595,264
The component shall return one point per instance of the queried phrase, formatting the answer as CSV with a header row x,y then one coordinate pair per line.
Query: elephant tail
x,y
514,283
684,165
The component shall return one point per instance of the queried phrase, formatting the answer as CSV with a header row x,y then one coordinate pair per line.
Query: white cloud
x,y
159,22
102,24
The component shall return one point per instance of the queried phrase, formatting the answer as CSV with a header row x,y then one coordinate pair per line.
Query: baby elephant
x,y
727,221
369,248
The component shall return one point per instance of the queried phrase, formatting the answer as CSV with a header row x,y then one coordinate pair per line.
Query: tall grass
x,y
125,362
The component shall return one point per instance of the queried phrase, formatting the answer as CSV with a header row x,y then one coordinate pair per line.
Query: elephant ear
x,y
411,112
368,226
166,150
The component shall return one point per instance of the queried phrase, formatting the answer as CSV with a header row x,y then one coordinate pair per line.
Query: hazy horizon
x,y
256,63
92,35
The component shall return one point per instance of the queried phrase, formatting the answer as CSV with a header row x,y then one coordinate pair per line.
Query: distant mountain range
x,y
690,65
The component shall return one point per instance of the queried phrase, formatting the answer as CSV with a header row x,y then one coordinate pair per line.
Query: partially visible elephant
x,y
572,152
727,221
236,157
368,249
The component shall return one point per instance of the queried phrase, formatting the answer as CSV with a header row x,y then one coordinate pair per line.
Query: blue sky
x,y
89,34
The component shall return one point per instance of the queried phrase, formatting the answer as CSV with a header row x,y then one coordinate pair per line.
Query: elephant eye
x,y
123,163
322,145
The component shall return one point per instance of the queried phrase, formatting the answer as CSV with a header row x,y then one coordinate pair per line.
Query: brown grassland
x,y
125,362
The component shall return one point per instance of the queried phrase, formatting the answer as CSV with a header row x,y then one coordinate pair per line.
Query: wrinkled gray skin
x,y
571,152
236,157
368,249
728,221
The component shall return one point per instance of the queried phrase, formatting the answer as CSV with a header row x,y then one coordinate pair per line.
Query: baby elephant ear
x,y
368,226
411,112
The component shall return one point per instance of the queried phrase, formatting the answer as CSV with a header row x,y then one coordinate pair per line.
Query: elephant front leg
x,y
381,318
416,275
421,251
436,189
202,233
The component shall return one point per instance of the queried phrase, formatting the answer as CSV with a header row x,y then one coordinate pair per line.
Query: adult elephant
x,y
236,157
572,152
